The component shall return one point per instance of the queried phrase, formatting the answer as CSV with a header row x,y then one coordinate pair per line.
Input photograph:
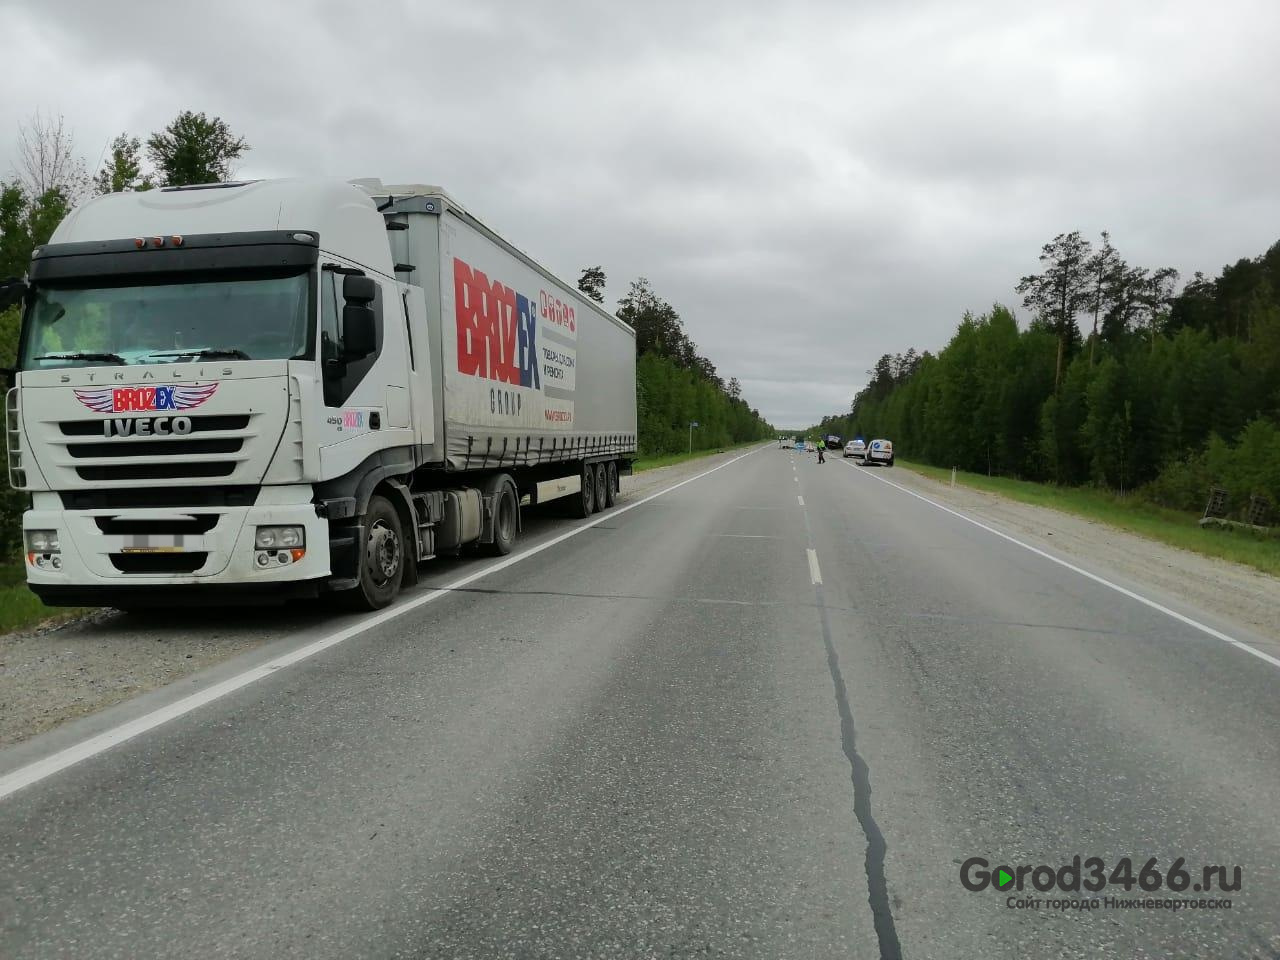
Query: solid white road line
x,y
815,574
47,767
1181,618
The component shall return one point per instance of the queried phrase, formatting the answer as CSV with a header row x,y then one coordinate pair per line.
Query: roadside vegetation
x,y
19,607
671,459
1120,393
1129,512
677,387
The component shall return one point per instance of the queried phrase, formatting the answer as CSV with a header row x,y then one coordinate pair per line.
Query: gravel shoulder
x,y
57,672
1227,590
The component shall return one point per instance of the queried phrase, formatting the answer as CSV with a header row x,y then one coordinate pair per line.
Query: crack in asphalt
x,y
877,885
903,621
637,596
860,774
991,621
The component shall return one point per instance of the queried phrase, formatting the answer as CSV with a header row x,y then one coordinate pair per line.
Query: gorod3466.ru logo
x,y
1092,876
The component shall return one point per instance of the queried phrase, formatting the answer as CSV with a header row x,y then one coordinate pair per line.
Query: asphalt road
x,y
662,738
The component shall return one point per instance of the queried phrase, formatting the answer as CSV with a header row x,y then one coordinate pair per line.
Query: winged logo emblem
x,y
178,396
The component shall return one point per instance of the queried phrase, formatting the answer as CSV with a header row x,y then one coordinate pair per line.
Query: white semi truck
x,y
283,387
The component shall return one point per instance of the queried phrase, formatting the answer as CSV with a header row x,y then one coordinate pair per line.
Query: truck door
x,y
370,393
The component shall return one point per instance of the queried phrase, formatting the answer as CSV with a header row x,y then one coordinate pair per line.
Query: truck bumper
x,y
105,560
174,595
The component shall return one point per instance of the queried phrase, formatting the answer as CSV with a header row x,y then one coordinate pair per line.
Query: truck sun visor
x,y
266,249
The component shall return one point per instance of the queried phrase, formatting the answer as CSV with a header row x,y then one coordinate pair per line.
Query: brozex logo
x,y
182,396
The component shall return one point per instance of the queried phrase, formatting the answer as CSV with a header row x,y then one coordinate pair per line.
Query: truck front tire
x,y
382,558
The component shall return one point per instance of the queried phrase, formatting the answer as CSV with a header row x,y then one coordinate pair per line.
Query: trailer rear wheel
x,y
505,512
602,482
382,559
611,483
584,504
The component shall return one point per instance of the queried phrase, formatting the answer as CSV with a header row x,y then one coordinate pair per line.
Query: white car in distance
x,y
881,452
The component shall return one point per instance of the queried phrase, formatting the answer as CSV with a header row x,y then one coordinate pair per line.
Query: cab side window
x,y
330,337
341,377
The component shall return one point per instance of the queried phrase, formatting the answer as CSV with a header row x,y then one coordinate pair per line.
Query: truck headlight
x,y
280,538
44,551
279,546
42,541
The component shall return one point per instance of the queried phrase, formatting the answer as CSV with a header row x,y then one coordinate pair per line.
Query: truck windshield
x,y
245,318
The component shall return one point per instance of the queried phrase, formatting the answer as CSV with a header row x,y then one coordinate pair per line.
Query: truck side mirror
x,y
11,292
357,288
359,326
359,332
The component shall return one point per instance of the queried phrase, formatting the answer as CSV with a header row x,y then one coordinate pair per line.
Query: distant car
x,y
809,446
856,449
834,442
880,451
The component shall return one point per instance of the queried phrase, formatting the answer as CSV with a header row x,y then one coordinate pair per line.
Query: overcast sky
x,y
810,185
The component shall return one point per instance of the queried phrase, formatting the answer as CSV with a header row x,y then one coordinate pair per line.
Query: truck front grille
x,y
158,562
93,428
201,523
159,497
158,471
151,448
214,447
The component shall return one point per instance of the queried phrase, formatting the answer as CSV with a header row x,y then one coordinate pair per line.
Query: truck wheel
x,y
383,559
602,483
611,483
505,511
584,504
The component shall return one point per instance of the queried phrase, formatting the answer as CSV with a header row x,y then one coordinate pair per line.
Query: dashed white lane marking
x,y
801,499
815,573
1146,601
86,749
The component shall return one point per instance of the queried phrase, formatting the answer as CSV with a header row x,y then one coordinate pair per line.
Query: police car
x,y
880,451
857,449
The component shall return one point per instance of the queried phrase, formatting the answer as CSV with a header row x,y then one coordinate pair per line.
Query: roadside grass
x,y
1126,512
670,459
19,607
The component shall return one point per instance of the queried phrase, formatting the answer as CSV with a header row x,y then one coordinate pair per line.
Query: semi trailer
x,y
280,388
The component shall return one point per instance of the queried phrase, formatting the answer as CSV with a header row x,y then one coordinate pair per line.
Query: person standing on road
x,y
822,445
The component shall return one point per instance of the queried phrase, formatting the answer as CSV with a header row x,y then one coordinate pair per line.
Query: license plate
x,y
159,543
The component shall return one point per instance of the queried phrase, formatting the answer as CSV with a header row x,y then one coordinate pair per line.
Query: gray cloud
x,y
811,185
